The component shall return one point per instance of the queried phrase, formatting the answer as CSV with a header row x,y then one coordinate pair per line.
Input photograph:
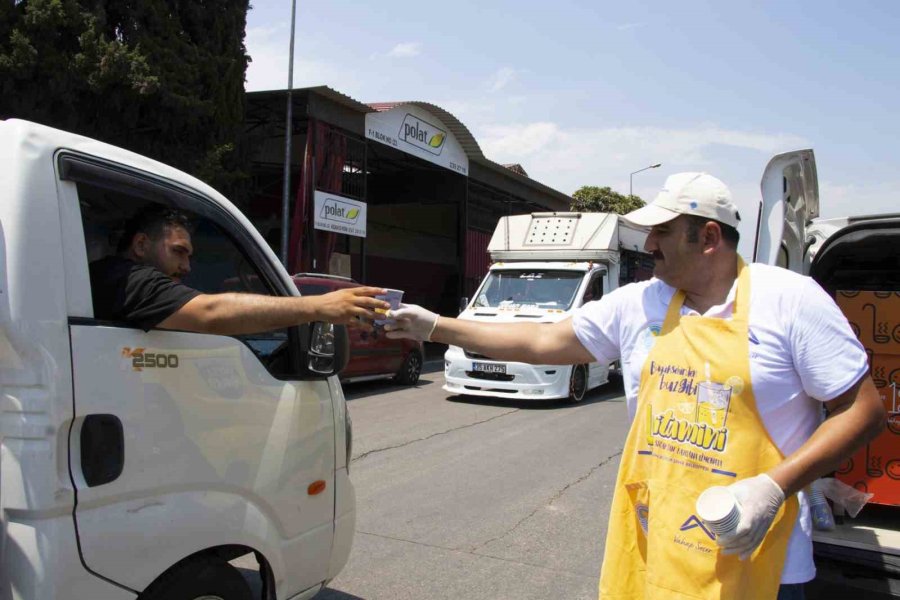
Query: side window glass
x,y
218,263
595,289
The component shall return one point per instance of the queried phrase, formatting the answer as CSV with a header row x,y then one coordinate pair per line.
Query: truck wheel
x,y
202,578
410,370
578,383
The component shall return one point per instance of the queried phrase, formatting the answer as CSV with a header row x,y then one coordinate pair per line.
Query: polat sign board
x,y
338,214
416,131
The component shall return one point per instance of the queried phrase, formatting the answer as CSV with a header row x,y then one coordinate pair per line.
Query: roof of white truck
x,y
562,236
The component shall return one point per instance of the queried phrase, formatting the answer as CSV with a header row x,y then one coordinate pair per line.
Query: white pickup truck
x,y
138,464
545,265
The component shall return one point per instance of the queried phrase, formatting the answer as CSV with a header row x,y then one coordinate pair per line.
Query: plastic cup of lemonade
x,y
394,297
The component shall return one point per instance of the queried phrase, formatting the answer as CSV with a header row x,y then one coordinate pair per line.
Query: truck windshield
x,y
541,289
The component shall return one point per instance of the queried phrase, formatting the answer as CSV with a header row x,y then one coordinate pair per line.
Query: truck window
x,y
509,288
594,289
219,262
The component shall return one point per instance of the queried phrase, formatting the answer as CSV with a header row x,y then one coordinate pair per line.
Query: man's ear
x,y
712,235
140,244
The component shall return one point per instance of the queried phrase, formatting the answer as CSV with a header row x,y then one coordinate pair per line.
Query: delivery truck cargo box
x,y
556,236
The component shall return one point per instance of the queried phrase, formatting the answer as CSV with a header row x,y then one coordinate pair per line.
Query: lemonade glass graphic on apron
x,y
713,400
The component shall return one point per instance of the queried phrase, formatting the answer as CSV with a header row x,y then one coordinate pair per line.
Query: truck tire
x,y
201,578
410,370
578,383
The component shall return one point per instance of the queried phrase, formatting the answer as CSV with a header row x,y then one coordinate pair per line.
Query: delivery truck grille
x,y
490,376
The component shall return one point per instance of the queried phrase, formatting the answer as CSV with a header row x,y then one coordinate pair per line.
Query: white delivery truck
x,y
544,266
139,464
847,256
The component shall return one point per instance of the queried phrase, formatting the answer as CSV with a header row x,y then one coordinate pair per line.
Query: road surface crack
x,y
428,437
550,502
500,558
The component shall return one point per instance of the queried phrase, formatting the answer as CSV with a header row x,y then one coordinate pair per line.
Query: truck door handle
x,y
102,449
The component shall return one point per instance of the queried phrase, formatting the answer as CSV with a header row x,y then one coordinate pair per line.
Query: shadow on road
x,y
364,389
613,390
330,594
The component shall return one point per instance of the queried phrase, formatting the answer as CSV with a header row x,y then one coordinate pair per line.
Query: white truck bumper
x,y
520,381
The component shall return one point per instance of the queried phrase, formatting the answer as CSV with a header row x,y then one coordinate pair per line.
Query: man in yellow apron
x,y
726,367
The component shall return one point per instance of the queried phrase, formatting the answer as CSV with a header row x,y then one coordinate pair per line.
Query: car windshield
x,y
542,289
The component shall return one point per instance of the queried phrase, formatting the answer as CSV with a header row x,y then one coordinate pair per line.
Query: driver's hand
x,y
354,307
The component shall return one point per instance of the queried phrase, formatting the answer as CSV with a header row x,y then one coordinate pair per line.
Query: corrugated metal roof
x,y
321,90
462,133
470,145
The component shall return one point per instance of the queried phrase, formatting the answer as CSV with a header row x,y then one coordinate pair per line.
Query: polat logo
x,y
422,134
342,212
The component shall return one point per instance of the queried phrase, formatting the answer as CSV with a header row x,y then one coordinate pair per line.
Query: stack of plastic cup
x,y
822,517
719,510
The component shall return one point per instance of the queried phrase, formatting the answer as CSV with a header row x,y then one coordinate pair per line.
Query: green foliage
x,y
164,78
590,198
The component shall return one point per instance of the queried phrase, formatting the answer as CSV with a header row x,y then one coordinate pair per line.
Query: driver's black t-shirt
x,y
141,295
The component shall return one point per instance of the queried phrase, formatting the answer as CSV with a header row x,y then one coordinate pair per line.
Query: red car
x,y
372,354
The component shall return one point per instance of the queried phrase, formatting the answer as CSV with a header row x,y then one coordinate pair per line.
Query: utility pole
x,y
288,136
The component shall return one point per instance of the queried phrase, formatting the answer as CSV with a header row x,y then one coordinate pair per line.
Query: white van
x,y
545,265
138,464
847,254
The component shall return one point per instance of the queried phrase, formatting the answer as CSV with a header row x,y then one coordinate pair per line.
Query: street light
x,y
631,177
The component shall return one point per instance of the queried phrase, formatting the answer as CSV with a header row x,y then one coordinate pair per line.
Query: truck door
x,y
185,441
790,200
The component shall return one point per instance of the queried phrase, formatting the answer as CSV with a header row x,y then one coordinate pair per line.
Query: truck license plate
x,y
489,368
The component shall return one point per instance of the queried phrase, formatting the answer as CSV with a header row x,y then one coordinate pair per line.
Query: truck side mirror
x,y
463,303
326,349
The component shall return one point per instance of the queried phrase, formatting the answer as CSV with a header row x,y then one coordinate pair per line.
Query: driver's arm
x,y
235,314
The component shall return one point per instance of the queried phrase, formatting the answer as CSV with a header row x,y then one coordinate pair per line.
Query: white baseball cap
x,y
698,194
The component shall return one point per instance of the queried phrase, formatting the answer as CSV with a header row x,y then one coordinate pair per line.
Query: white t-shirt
x,y
802,352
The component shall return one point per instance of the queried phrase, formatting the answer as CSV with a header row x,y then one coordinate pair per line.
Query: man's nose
x,y
186,266
650,243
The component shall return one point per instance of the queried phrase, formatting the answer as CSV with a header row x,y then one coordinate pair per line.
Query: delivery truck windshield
x,y
542,289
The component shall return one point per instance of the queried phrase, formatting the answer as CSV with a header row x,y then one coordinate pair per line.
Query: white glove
x,y
760,498
412,322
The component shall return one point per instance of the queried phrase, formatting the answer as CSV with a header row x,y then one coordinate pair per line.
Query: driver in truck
x,y
141,284
727,367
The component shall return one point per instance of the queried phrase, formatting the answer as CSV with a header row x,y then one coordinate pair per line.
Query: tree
x,y
590,198
164,78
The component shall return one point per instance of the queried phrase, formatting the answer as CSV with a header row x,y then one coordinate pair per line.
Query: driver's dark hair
x,y
729,233
153,220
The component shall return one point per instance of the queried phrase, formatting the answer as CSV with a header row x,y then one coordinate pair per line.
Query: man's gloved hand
x,y
760,498
411,321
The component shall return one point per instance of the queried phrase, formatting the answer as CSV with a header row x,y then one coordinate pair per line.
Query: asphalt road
x,y
466,498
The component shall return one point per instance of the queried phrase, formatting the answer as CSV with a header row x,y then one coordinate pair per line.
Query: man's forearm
x,y
235,313
857,417
501,341
535,343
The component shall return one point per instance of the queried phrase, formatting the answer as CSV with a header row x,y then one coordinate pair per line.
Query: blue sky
x,y
583,93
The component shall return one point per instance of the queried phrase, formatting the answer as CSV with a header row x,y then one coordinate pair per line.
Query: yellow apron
x,y
697,425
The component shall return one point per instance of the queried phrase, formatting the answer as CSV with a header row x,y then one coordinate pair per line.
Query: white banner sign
x,y
416,131
338,214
